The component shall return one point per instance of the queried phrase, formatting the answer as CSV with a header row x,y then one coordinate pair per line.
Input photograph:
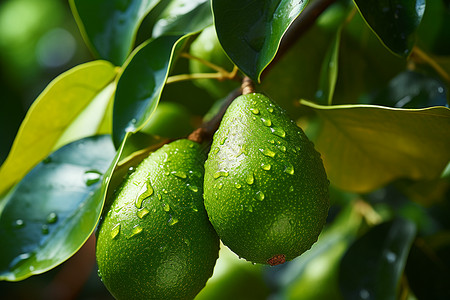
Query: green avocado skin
x,y
266,190
156,241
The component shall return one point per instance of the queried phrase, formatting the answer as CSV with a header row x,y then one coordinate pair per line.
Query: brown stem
x,y
247,86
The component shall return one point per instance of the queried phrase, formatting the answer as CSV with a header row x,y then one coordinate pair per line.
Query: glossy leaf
x,y
374,264
411,89
71,107
54,209
434,31
364,147
140,84
329,72
110,26
183,17
250,31
394,21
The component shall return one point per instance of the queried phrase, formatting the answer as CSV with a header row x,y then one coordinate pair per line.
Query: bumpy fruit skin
x,y
156,241
266,190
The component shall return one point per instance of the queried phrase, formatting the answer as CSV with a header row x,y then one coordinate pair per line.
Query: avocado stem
x,y
247,86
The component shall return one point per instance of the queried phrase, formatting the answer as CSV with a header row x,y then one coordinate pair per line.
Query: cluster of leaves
x,y
376,76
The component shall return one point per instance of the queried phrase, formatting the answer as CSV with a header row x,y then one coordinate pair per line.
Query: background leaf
x,y
250,31
364,147
54,209
183,17
110,26
54,112
140,85
394,21
373,265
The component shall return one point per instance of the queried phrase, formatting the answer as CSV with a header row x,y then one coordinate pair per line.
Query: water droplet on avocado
x,y
172,221
166,206
267,152
255,111
282,148
250,179
187,242
291,189
266,122
278,131
91,177
270,109
220,185
260,196
266,167
289,169
142,213
131,170
145,191
136,230
216,150
221,173
52,218
179,174
223,140
193,188
237,185
115,231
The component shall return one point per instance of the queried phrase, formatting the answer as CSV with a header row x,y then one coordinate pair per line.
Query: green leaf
x,y
54,209
140,84
183,17
394,21
373,266
329,71
365,146
250,31
110,26
71,107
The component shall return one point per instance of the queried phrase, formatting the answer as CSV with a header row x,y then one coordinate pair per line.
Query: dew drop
x,y
266,122
19,259
250,208
167,173
216,150
278,132
165,191
172,221
267,152
221,173
260,196
255,111
270,109
282,148
91,177
44,229
131,170
220,185
223,140
250,179
391,257
145,192
272,141
179,174
19,223
291,189
52,218
166,206
289,169
193,188
136,230
237,185
187,242
266,167
115,231
142,213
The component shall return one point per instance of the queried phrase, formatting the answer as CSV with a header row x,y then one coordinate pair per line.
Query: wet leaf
x,y
250,31
54,209
394,21
372,267
110,26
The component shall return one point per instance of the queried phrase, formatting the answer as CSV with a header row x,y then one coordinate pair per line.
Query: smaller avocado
x,y
156,242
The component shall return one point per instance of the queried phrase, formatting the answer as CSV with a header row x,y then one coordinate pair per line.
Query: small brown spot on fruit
x,y
277,260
